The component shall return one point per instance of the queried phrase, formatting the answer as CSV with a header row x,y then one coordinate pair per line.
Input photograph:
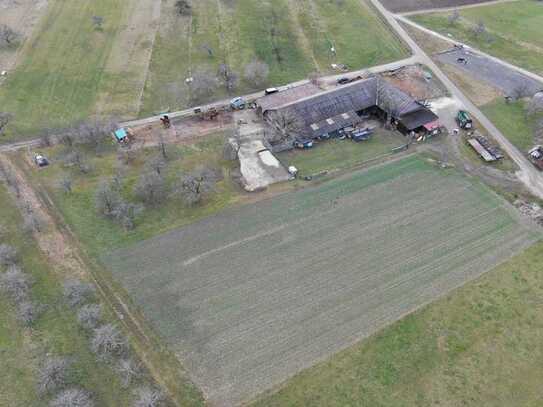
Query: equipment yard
x,y
251,296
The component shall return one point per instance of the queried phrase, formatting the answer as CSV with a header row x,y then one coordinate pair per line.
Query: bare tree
x,y
11,179
125,213
129,371
479,29
194,187
228,77
77,292
72,398
536,104
8,36
16,284
8,255
257,72
203,85
5,119
106,198
107,341
520,90
27,312
156,164
151,188
33,222
183,7
149,397
74,157
89,315
454,17
284,125
65,184
52,374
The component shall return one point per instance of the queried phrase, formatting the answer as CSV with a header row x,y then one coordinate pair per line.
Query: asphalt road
x,y
528,174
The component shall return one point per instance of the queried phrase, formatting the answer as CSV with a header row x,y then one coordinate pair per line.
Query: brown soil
x,y
185,131
411,80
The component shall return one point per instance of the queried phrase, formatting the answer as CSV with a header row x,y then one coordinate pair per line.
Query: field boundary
x,y
146,343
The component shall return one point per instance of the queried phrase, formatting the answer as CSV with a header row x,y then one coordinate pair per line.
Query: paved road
x,y
331,79
476,51
445,9
528,174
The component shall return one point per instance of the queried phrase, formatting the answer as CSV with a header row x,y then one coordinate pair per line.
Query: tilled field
x,y
253,295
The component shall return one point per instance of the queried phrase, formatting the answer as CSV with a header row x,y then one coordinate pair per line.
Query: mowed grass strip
x,y
59,77
253,295
514,31
512,120
293,39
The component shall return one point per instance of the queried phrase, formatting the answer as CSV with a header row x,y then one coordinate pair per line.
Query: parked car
x,y
343,81
362,134
238,103
41,160
303,143
270,91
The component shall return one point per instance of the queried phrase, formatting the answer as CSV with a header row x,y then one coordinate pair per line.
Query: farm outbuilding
x,y
326,112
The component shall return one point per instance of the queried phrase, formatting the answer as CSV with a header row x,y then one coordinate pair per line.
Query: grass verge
x,y
480,345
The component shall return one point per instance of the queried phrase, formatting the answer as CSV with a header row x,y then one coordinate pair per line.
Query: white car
x,y
41,160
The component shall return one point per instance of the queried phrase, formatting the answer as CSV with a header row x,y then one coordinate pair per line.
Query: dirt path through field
x,y
60,246
23,16
295,10
128,63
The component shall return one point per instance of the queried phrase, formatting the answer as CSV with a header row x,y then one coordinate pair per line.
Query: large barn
x,y
325,112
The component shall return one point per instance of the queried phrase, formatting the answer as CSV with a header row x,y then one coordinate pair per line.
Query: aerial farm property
x,y
281,203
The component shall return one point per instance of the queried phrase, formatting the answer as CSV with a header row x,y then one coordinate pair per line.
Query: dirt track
x,y
399,6
60,247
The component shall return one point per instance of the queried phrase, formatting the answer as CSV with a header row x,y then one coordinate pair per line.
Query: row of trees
x,y
205,82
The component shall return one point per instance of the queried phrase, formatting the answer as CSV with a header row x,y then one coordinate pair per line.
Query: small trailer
x,y
536,157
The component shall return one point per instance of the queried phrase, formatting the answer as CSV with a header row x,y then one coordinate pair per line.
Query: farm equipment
x,y
303,143
464,120
207,114
361,134
536,157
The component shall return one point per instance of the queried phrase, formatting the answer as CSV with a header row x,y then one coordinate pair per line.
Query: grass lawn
x,y
100,234
293,38
511,120
67,70
340,154
514,31
56,332
479,346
